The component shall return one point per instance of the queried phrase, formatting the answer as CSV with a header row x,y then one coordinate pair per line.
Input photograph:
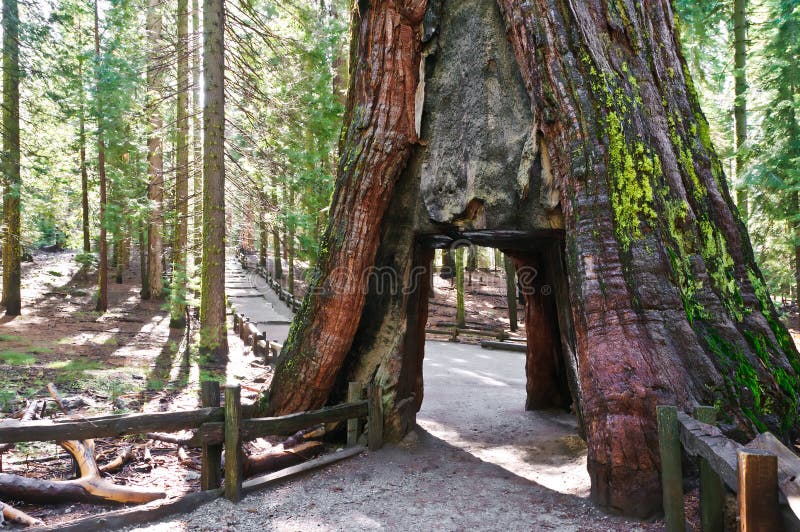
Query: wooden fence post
x,y
233,458
211,454
353,395
712,492
669,443
375,422
758,491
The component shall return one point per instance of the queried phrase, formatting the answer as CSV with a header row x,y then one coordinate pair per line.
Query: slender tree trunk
x,y
155,157
511,292
197,141
12,246
179,273
87,244
276,236
460,318
143,259
263,234
102,295
213,337
740,102
290,242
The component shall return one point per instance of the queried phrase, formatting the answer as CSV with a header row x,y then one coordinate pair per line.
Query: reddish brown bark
x,y
544,365
667,302
378,142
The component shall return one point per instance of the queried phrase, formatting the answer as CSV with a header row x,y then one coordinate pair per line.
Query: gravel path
x,y
477,461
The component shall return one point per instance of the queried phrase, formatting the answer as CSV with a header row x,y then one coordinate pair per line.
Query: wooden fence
x,y
215,426
749,471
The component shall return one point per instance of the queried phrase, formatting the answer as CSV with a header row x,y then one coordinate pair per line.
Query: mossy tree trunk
x,y
12,246
213,336
667,302
179,249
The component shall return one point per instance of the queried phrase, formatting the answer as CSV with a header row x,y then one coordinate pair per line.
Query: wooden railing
x,y
750,472
214,426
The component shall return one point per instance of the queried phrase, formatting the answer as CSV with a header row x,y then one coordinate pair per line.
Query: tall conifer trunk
x,y
213,338
12,246
155,157
179,273
740,102
102,293
197,141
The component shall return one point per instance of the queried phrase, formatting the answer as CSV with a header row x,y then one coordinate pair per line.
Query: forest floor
x,y
126,360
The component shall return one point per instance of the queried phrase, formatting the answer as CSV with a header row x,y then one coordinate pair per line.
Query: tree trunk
x,y
155,157
323,330
667,305
263,234
143,259
460,318
197,141
276,236
290,244
740,101
511,292
213,338
102,294
87,245
12,246
179,250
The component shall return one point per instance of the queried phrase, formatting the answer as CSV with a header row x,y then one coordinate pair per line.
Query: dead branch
x,y
124,456
13,515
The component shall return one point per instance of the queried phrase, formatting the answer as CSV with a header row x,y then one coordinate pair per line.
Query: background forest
x,y
286,69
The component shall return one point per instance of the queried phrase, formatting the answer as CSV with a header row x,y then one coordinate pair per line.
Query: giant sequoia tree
x,y
569,135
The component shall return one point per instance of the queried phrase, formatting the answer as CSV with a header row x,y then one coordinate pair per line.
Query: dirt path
x,y
477,461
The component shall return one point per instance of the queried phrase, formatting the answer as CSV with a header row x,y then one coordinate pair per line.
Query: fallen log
x,y
13,515
169,438
90,487
275,461
507,346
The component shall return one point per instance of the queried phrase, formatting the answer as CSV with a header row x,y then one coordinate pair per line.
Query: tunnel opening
x,y
541,286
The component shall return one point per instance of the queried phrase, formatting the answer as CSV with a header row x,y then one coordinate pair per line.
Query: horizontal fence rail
x,y
214,426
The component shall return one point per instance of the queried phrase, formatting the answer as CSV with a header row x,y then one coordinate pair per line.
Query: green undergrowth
x,y
16,358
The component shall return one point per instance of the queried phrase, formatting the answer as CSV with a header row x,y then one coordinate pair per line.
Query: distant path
x,y
250,295
477,461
